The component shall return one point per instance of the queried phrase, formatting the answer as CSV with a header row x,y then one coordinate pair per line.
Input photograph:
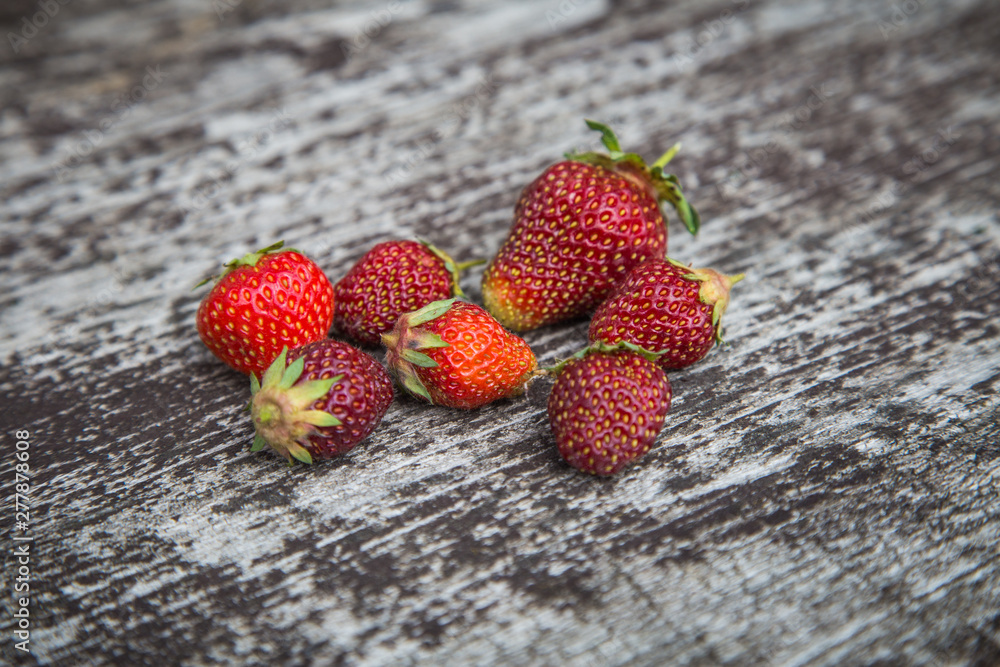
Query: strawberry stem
x,y
462,266
598,347
608,137
666,157
451,266
282,408
631,165
406,339
713,291
431,311
250,259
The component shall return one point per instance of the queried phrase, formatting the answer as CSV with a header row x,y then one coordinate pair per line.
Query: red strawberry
x,y
607,408
325,399
578,229
666,308
455,354
263,302
391,279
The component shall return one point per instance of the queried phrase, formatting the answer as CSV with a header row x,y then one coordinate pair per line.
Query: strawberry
x,y
326,398
391,279
455,354
666,308
263,302
606,408
578,230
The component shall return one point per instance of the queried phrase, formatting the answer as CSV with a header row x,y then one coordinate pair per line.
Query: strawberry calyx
x,y
599,347
451,266
714,291
406,340
666,187
250,259
282,410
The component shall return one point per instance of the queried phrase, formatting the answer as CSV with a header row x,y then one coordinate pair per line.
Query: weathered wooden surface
x,y
825,490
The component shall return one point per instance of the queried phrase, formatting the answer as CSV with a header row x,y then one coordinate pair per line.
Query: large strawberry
x,y
455,354
578,229
318,400
262,302
666,308
391,279
607,408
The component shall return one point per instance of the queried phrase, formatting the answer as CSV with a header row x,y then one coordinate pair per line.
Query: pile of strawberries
x,y
589,238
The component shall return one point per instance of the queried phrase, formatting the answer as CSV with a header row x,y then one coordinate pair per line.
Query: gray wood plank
x,y
824,491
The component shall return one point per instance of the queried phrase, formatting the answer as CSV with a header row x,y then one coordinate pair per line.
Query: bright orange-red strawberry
x,y
263,302
392,278
455,354
607,408
318,401
579,228
667,308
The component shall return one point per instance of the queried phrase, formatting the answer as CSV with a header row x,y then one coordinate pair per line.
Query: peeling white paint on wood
x,y
824,491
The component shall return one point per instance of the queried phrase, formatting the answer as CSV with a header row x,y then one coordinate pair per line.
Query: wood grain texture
x,y
825,489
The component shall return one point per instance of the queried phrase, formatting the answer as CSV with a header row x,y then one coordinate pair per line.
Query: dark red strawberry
x,y
667,308
392,278
263,302
579,228
455,354
606,409
326,398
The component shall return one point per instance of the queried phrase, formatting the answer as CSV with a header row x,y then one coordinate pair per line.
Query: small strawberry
x,y
666,308
606,408
578,230
392,278
326,398
263,302
455,354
